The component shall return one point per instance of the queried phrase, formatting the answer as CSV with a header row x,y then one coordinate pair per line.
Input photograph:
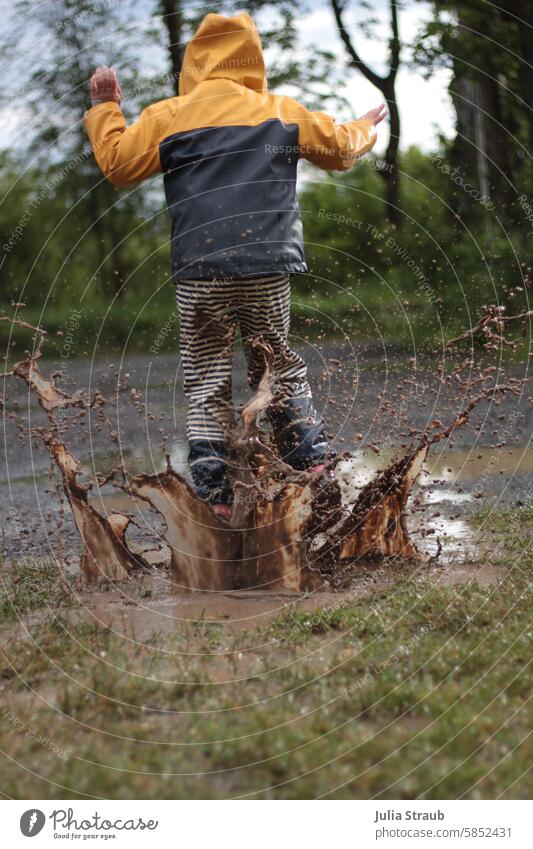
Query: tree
x,y
490,92
76,36
173,18
387,86
519,15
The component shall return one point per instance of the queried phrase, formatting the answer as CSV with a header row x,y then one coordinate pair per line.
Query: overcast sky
x,y
425,106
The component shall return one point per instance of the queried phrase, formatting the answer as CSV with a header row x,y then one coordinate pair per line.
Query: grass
x,y
419,691
31,585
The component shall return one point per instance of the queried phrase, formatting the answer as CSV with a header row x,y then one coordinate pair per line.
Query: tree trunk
x,y
520,12
498,145
172,14
390,172
463,148
480,151
387,86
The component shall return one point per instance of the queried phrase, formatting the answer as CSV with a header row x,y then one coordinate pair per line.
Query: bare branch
x,y
356,60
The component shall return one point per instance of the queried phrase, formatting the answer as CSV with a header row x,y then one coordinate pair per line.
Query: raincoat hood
x,y
224,48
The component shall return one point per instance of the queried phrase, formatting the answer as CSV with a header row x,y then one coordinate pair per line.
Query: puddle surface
x,y
159,608
437,518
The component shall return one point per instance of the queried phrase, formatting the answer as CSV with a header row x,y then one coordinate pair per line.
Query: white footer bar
x,y
267,824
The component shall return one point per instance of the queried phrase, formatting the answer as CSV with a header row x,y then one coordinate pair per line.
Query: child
x,y
229,152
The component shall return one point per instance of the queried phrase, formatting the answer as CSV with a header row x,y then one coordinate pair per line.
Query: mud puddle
x,y
437,518
154,605
289,532
447,496
172,611
444,467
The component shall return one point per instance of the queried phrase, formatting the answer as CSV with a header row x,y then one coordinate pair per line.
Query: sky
x,y
425,106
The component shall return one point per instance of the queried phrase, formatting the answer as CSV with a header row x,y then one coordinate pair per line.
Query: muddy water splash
x,y
279,515
106,555
288,530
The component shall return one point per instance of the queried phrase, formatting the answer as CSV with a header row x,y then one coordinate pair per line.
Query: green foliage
x,y
429,278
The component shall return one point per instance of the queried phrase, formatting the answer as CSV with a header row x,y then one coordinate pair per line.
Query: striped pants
x,y
211,311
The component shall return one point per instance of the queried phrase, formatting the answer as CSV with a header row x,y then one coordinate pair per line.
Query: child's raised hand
x,y
376,115
105,87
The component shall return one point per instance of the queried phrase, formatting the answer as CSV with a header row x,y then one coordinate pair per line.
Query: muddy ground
x,y
489,464
410,683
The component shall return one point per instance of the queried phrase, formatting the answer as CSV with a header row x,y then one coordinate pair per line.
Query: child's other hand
x,y
376,115
104,86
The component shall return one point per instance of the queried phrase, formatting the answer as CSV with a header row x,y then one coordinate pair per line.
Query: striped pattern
x,y
211,312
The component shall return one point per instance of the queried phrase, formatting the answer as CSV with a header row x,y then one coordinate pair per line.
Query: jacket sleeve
x,y
332,146
126,155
